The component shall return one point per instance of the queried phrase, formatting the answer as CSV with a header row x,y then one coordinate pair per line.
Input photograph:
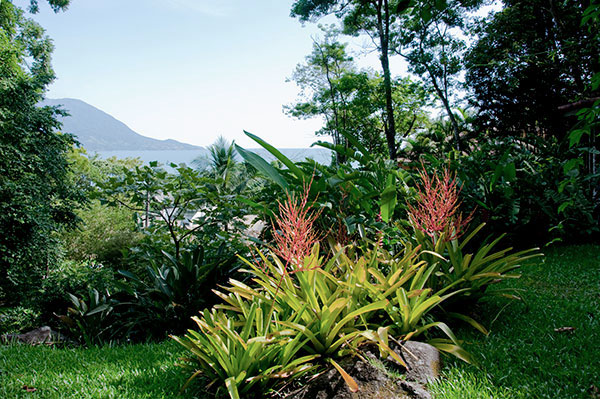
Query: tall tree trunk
x,y
383,28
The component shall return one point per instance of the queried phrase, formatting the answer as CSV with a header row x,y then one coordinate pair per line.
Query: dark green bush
x,y
515,185
91,320
75,278
18,319
172,291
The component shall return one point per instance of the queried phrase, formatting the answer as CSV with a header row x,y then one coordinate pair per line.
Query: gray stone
x,y
414,389
423,361
42,335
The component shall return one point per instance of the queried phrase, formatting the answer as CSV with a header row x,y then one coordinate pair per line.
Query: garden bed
x,y
527,354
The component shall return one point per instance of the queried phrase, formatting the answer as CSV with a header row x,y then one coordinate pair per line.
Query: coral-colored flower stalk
x,y
437,208
294,232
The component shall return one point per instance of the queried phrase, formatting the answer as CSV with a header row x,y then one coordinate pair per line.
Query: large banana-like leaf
x,y
262,166
277,154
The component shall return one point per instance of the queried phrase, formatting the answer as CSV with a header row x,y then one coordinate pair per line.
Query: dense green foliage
x,y
530,59
13,320
104,234
185,207
171,292
304,309
529,80
31,152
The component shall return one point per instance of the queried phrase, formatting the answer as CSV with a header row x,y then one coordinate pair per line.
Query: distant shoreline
x,y
321,155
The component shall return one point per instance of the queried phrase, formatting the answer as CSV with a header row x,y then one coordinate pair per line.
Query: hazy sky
x,y
184,69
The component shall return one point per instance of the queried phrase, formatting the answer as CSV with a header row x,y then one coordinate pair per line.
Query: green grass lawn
x,y
132,372
523,357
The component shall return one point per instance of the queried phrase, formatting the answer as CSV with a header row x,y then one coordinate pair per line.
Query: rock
x,y
373,383
414,389
423,361
42,335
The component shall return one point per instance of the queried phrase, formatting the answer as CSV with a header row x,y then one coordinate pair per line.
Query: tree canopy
x,y
375,18
36,195
531,58
351,100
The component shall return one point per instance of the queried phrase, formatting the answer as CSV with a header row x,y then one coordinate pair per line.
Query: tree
x,y
428,38
36,196
57,5
352,101
229,176
334,89
374,18
531,58
182,205
105,233
583,138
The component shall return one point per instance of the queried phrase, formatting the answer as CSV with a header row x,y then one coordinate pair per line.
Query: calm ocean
x,y
320,155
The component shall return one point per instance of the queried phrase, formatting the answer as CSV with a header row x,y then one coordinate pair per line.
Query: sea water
x,y
201,157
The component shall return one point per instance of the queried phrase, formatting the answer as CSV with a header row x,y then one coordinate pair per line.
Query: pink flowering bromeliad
x,y
436,212
294,230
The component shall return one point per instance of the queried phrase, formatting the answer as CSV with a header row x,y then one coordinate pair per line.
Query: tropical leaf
x,y
262,166
277,154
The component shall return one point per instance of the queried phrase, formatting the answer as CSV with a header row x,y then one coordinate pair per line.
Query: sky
x,y
188,70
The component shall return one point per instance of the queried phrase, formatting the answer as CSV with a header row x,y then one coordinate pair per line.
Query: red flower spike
x,y
437,208
295,236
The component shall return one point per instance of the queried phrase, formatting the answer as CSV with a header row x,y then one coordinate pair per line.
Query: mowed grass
x,y
146,371
523,356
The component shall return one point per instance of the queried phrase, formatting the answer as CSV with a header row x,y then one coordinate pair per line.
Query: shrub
x,y
105,235
243,350
327,305
172,291
517,187
70,277
324,305
404,282
92,322
18,319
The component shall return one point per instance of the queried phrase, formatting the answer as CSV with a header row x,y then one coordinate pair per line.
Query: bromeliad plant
x,y
243,352
309,293
310,301
438,228
301,311
316,303
411,299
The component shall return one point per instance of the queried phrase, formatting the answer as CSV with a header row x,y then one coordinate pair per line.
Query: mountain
x,y
98,131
